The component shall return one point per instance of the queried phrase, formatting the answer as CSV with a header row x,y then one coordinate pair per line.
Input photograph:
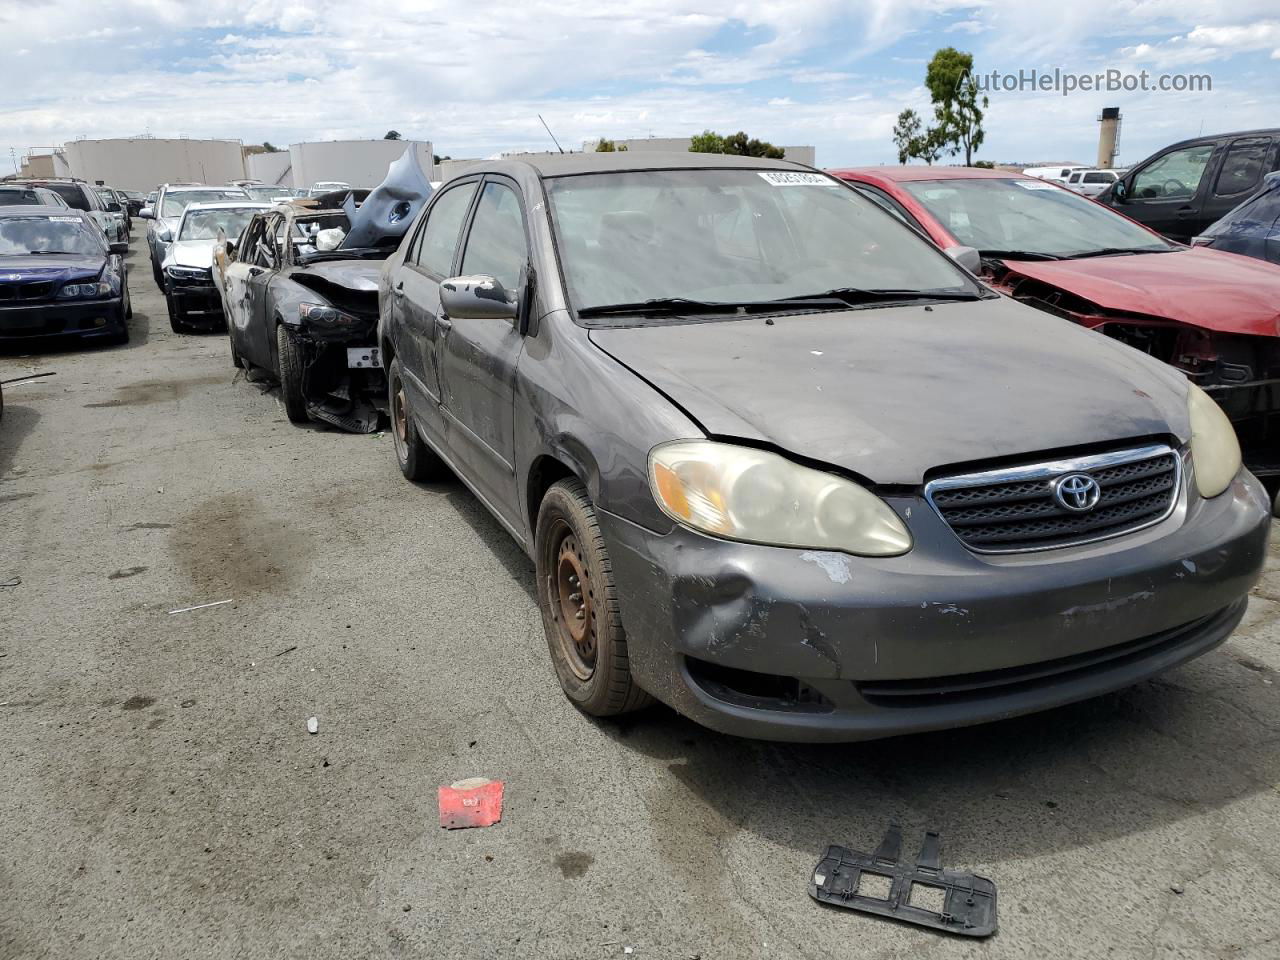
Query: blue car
x,y
1251,229
60,277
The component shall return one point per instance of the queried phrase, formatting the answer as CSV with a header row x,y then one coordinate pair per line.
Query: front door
x,y
1168,193
235,292
478,357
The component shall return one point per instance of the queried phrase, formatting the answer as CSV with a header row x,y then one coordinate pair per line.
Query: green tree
x,y
436,158
984,164
738,144
269,147
604,145
913,141
957,103
708,141
391,135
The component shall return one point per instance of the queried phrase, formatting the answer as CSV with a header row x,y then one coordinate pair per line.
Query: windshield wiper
x,y
856,295
52,253
681,306
1111,252
1016,255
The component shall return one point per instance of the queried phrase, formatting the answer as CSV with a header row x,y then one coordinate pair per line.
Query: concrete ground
x,y
160,795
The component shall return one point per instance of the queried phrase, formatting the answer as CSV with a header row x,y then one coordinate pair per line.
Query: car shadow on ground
x,y
15,426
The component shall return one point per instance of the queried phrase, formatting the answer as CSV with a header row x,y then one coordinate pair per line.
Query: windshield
x,y
1029,216
27,235
175,201
266,193
71,193
19,197
205,224
733,236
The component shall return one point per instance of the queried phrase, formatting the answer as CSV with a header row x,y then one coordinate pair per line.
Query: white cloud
x,y
1206,44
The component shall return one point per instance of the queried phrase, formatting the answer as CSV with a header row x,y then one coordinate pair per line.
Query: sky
x,y
472,77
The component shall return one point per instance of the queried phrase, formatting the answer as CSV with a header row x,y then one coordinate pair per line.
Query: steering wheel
x,y
1178,187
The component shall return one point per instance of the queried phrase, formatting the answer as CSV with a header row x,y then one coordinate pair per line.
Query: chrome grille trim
x,y
1023,494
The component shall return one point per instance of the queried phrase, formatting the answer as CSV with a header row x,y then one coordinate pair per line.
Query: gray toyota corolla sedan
x,y
784,465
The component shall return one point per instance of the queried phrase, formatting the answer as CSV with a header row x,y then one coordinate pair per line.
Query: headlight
x,y
188,273
84,291
1215,451
745,494
323,315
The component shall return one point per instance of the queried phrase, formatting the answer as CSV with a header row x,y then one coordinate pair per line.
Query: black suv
x,y
1185,187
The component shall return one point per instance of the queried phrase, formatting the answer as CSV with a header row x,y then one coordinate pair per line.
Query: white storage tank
x,y
141,163
358,163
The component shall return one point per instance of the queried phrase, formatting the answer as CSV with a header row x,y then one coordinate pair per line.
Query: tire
x,y
175,315
290,359
579,603
416,460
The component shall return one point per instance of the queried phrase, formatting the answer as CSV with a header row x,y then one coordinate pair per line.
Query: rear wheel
x,y
416,460
235,353
579,602
289,354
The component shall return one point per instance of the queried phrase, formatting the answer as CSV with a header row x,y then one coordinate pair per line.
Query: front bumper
x,y
85,318
198,301
802,645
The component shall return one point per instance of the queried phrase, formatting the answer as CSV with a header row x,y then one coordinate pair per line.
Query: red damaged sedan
x,y
1213,315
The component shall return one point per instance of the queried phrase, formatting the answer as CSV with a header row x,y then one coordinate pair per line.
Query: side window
x,y
282,240
1074,178
1099,177
444,224
1176,175
496,245
882,199
1242,168
263,254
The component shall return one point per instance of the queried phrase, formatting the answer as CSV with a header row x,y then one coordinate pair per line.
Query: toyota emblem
x,y
1077,492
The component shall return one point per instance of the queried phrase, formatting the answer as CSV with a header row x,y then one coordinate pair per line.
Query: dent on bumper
x,y
935,619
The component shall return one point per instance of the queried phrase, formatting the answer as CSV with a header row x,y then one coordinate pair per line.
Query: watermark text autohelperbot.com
x,y
1111,80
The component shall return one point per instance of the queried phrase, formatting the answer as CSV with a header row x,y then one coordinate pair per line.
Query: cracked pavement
x,y
161,796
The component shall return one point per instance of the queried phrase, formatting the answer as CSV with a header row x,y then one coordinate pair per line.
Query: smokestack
x,y
1108,137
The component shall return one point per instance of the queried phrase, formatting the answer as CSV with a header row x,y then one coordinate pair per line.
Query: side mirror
x,y
967,257
477,298
119,247
146,213
1119,192
165,234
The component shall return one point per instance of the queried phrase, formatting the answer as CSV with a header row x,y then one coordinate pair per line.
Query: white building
x,y
275,169
360,163
141,163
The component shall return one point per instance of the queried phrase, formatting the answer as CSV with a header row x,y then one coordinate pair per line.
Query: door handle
x,y
1185,213
445,324
398,289
254,271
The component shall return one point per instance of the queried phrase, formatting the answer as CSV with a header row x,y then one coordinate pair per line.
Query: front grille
x,y
1016,509
31,290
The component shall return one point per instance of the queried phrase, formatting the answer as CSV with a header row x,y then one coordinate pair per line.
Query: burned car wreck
x,y
299,289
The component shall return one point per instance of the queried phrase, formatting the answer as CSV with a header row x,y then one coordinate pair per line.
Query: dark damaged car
x,y
1213,316
782,464
60,277
304,311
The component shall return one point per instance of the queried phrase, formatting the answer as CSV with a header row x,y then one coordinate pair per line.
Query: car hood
x,y
19,269
891,393
1205,288
190,253
352,274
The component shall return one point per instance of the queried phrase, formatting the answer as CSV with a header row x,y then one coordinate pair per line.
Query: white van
x,y
1056,174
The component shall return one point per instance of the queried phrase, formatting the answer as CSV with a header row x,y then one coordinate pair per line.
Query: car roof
x,y
229,205
907,174
1264,132
40,210
569,164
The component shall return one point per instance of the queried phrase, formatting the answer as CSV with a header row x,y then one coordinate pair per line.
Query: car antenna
x,y
550,134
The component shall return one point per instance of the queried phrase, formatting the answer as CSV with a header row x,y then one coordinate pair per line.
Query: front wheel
x,y
289,354
176,323
579,602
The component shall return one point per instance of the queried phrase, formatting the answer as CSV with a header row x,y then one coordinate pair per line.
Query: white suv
x,y
1090,183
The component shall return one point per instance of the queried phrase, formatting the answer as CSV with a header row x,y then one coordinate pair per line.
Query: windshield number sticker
x,y
788,178
1035,185
64,219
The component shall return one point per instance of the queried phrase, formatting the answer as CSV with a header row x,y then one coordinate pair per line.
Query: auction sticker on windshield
x,y
64,220
788,178
1035,185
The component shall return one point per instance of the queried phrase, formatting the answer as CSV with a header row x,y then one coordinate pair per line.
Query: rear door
x,y
478,357
1245,161
235,291
1168,193
431,258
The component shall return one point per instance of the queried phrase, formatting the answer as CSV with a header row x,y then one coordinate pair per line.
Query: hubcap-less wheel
x,y
575,614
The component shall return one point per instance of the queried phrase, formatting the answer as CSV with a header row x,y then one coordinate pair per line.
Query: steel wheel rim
x,y
573,602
